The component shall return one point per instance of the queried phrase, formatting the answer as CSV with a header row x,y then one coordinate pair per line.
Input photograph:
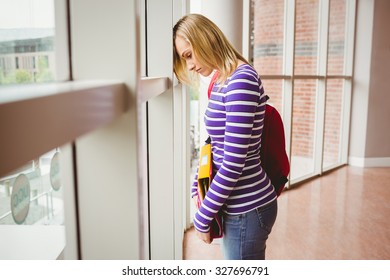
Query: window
x,y
306,37
304,57
32,195
97,109
27,31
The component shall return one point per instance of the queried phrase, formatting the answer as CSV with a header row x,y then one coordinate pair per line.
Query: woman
x,y
234,118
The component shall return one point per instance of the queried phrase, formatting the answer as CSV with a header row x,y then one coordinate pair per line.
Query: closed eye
x,y
187,55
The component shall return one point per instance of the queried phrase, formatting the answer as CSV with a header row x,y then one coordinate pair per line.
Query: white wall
x,y
369,136
378,132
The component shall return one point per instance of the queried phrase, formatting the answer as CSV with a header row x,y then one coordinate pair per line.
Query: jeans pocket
x,y
267,215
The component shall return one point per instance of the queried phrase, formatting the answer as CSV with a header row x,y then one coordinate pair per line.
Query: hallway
x,y
342,215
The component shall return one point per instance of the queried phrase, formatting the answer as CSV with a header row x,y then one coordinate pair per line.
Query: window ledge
x,y
37,118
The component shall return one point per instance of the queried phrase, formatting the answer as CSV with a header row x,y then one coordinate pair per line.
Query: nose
x,y
190,65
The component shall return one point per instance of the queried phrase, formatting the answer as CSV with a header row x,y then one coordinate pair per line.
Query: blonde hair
x,y
209,45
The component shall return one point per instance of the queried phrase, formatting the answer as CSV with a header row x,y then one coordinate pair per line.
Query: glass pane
x,y
333,115
306,37
336,37
274,90
27,41
31,206
195,119
268,36
303,128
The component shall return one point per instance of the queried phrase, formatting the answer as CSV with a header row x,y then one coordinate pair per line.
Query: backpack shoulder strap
x,y
212,82
211,85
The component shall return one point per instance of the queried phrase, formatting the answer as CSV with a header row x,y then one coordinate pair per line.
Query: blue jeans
x,y
245,235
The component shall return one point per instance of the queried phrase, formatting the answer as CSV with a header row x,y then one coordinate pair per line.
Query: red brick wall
x,y
334,87
336,37
333,121
303,117
268,32
306,37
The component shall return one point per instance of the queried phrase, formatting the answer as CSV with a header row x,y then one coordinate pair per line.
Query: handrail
x,y
152,86
37,118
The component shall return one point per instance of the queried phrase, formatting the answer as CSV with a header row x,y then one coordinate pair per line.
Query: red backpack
x,y
273,154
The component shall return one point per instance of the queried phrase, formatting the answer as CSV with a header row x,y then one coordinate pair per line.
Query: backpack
x,y
274,159
273,154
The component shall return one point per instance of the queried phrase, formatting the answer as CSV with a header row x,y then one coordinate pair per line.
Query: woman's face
x,y
184,50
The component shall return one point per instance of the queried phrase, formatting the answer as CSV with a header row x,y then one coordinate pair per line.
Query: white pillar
x,y
361,85
228,15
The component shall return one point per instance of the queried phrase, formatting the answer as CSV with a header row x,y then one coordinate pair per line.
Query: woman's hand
x,y
204,236
195,200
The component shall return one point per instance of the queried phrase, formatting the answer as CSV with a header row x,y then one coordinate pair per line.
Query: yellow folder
x,y
205,175
204,171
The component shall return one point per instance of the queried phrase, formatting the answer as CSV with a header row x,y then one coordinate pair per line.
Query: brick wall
x,y
333,120
268,36
303,117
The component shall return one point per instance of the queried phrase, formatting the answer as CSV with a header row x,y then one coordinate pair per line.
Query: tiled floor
x,y
340,215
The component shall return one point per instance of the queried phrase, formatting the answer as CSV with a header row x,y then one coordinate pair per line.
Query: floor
x,y
343,215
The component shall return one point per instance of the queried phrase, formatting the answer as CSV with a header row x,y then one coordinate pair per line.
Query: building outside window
x,y
25,37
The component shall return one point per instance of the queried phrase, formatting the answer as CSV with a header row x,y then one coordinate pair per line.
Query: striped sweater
x,y
234,120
